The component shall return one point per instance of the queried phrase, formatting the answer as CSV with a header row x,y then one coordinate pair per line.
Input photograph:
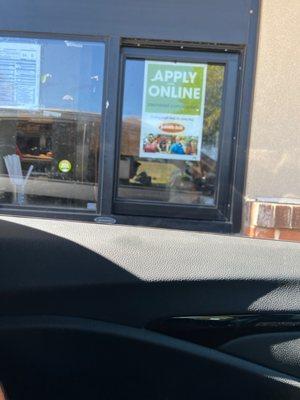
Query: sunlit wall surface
x,y
272,193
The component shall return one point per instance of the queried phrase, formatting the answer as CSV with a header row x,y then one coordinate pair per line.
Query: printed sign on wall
x,y
173,108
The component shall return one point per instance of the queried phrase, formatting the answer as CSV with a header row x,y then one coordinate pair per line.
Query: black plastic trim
x,y
215,330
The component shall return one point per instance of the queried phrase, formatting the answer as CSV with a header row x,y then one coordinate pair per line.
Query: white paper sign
x,y
19,75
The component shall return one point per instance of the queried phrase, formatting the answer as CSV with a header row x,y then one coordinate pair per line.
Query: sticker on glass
x,y
64,166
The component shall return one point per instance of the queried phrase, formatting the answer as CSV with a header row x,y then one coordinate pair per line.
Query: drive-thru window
x,y
128,113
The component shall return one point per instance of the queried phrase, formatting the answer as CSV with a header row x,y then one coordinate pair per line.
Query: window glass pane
x,y
50,112
170,132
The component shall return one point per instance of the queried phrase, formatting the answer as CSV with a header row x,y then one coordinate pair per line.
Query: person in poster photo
x,y
151,144
178,147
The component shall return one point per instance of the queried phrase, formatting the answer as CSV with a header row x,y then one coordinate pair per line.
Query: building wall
x,y
274,156
273,177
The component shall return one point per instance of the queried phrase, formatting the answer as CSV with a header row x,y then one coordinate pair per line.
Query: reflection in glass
x,y
160,177
50,114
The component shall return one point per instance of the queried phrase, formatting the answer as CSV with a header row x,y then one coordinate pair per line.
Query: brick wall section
x,y
269,220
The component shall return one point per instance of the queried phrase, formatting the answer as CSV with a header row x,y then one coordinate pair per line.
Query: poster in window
x,y
19,75
173,108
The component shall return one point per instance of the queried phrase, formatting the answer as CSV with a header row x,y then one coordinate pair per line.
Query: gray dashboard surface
x,y
133,275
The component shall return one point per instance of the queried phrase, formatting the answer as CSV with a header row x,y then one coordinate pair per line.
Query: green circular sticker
x,y
64,166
